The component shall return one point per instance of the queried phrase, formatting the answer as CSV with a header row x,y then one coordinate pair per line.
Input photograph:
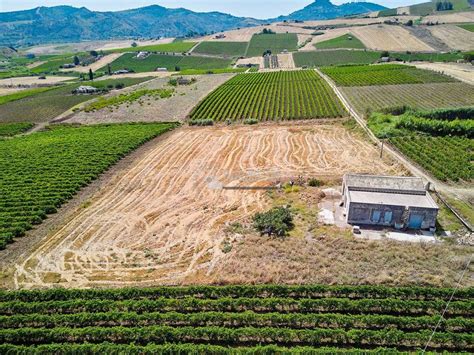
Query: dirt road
x,y
161,221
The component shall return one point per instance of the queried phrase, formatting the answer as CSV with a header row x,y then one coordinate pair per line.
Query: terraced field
x,y
43,170
274,42
271,96
243,319
225,49
162,220
423,96
388,74
334,57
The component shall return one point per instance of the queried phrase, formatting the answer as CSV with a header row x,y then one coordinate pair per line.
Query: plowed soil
x,y
161,221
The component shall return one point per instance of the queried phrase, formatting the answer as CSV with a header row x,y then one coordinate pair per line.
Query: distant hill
x,y
324,10
69,24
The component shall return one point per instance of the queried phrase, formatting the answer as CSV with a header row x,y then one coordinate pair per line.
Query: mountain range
x,y
70,24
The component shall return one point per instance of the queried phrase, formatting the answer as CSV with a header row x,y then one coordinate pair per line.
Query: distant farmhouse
x,y
399,202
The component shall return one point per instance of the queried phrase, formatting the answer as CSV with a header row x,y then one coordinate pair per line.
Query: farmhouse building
x,y
86,90
390,201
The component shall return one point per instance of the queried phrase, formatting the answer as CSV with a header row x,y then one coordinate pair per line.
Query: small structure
x,y
385,59
220,36
68,66
183,81
121,71
86,90
142,55
390,201
161,69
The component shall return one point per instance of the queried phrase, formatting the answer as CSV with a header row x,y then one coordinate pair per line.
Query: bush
x,y
201,122
278,221
250,121
314,182
119,86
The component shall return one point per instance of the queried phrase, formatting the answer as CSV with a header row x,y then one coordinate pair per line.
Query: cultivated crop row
x,y
271,96
220,319
12,129
447,158
43,170
334,57
390,74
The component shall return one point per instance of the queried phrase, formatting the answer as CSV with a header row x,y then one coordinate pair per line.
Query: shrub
x,y
201,122
278,221
251,121
314,182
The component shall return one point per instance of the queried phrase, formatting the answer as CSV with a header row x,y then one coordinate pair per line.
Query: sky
x,y
248,8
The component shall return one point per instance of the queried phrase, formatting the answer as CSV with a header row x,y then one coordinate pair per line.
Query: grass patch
x,y
115,101
174,47
344,41
468,26
335,57
225,49
427,57
22,94
275,42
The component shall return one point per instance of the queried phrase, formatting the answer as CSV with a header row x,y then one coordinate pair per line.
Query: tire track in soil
x,y
162,221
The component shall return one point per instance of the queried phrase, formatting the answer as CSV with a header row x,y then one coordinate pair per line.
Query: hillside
x,y
70,24
324,9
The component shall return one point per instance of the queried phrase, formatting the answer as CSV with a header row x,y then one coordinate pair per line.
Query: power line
x,y
447,304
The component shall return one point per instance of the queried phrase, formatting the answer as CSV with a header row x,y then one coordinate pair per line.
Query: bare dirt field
x,y
96,65
286,61
8,91
389,38
155,74
455,37
328,34
163,219
175,108
33,81
91,45
251,60
456,17
460,71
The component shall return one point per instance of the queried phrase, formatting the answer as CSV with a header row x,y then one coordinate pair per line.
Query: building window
x,y
376,215
387,218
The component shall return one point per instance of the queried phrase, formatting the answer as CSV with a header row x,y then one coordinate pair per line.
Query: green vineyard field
x,y
276,42
271,96
174,47
225,49
237,319
43,170
12,129
446,158
171,62
334,57
344,41
389,74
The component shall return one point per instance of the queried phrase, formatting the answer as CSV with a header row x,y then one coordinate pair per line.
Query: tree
x,y
278,221
384,54
409,23
469,56
91,75
109,71
134,44
76,60
176,68
94,53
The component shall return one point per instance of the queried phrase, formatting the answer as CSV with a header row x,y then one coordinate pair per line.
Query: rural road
x,y
464,194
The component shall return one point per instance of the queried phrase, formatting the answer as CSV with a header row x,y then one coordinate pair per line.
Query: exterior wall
x,y
361,213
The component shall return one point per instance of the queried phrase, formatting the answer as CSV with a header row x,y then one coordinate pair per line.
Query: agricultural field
x,y
144,227
174,47
421,96
153,109
447,158
441,141
273,42
170,62
454,37
224,49
344,41
427,57
43,170
387,74
334,57
271,96
467,26
47,105
22,94
12,129
300,319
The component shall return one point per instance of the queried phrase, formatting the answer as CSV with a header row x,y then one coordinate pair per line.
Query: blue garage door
x,y
415,221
